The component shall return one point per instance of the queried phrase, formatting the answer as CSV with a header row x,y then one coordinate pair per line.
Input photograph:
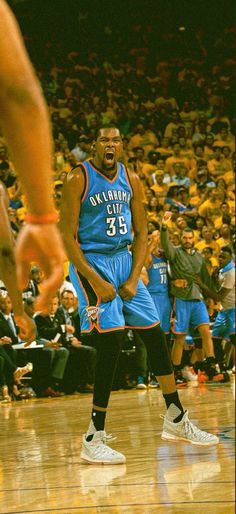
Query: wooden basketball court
x,y
41,471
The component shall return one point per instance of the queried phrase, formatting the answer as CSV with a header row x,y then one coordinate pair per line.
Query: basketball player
x,y
100,201
25,125
156,266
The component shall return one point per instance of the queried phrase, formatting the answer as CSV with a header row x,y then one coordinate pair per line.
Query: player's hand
x,y
166,217
127,290
41,244
155,238
104,290
27,328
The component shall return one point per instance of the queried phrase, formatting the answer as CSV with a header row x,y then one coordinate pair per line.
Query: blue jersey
x,y
157,275
105,215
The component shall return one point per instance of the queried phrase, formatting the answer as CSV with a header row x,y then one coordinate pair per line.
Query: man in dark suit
x,y
8,336
49,361
81,363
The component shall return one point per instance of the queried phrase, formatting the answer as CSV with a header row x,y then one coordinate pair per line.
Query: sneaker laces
x,y
102,448
109,437
191,429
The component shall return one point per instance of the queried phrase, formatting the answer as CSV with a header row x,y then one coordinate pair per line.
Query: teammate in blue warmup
x,y
158,286
102,205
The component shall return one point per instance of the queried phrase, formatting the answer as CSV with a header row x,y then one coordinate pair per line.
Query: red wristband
x,y
42,219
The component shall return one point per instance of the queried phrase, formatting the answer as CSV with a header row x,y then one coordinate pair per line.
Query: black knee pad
x,y
157,349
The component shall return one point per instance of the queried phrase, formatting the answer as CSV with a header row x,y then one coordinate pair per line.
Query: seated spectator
x,y
10,372
180,175
33,287
79,371
50,361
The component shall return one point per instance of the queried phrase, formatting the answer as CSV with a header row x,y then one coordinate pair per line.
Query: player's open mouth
x,y
109,157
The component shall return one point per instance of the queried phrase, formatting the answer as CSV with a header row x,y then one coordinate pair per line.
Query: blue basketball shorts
x,y
164,308
139,312
224,325
189,313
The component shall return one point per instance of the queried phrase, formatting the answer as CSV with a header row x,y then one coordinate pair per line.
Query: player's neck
x,y
107,173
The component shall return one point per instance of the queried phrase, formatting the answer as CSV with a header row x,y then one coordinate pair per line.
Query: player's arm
x,y
69,216
166,244
8,271
7,256
139,245
24,116
209,286
150,248
25,124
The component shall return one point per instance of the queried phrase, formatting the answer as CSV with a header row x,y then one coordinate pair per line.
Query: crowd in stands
x,y
175,111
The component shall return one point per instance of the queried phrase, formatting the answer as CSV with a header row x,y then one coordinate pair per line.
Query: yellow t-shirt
x,y
202,244
210,209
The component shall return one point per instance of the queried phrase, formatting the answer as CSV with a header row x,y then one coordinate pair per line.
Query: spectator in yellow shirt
x,y
160,189
176,157
212,262
225,215
210,209
208,240
225,239
218,165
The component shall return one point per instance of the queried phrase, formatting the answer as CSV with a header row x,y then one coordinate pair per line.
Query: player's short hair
x,y
105,126
187,229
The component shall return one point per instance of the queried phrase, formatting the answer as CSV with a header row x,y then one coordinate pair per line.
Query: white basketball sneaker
x,y
184,430
96,451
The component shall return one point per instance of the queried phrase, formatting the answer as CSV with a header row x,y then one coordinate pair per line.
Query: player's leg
x,y
95,449
176,423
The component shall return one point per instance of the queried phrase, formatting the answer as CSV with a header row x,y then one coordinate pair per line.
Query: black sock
x,y
174,398
98,419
